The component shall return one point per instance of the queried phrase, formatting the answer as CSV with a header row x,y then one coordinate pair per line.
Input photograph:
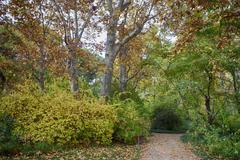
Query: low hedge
x,y
59,118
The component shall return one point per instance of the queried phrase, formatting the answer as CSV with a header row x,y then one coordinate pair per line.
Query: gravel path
x,y
166,147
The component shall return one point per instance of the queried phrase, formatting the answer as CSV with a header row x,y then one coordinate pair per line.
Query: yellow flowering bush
x,y
58,117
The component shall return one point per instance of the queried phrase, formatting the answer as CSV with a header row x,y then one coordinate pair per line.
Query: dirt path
x,y
166,147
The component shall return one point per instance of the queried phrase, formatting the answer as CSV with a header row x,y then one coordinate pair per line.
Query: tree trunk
x,y
123,75
235,76
42,61
42,68
208,98
72,71
107,80
2,81
109,61
42,78
208,109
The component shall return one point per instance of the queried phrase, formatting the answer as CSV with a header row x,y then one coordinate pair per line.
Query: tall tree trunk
x,y
42,61
72,71
112,46
109,60
123,75
107,79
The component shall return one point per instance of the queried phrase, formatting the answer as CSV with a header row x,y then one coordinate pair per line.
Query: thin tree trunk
x,y
123,75
2,81
42,69
42,61
236,88
208,99
208,108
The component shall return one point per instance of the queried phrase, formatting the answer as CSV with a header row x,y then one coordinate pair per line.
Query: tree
x,y
72,19
30,19
13,67
192,16
132,61
123,13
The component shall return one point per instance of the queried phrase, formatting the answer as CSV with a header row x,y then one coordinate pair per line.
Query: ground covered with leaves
x,y
116,152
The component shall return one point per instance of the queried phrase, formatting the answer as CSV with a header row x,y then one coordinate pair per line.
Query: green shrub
x,y
8,141
217,145
131,123
234,123
6,127
58,117
220,140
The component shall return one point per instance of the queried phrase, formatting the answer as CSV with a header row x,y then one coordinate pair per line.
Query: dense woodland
x,y
76,73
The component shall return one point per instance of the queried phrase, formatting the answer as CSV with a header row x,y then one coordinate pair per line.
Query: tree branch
x,y
89,16
138,28
61,17
124,5
110,7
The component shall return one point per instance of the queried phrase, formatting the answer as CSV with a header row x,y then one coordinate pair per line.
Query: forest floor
x,y
112,152
167,147
159,147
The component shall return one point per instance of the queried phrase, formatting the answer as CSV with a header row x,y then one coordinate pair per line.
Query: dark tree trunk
x,y
2,81
208,98
208,109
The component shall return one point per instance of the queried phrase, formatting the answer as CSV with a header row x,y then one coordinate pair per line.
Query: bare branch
x,y
61,17
128,37
138,28
124,5
134,75
110,6
76,20
89,16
